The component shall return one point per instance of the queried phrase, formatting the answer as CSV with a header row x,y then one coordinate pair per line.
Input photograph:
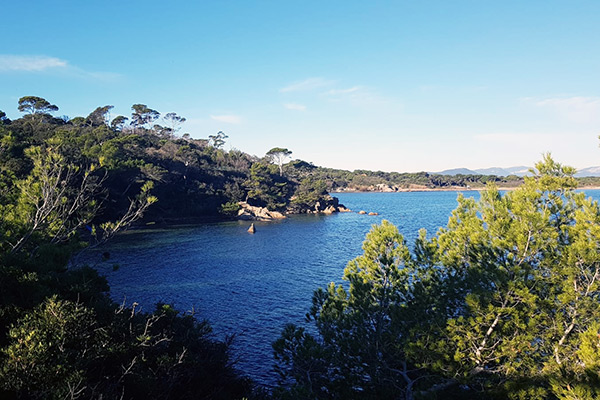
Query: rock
x,y
329,210
327,204
382,187
252,229
373,213
318,207
252,213
362,212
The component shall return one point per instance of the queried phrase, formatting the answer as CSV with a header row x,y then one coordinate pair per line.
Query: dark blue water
x,y
252,285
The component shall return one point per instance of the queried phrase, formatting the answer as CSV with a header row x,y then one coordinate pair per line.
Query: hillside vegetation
x,y
365,180
193,178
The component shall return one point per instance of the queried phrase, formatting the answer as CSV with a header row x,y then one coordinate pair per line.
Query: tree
x,y
217,141
174,121
100,116
265,189
360,349
3,118
523,268
61,336
279,155
65,350
142,115
308,193
501,303
36,105
58,198
118,122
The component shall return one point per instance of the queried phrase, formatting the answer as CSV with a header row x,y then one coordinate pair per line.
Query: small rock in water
x,y
252,229
362,212
373,213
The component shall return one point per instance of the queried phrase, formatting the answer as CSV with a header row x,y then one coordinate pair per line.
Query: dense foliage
x,y
502,303
363,180
193,178
64,185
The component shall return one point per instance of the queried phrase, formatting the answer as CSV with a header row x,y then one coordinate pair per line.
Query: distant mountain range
x,y
518,171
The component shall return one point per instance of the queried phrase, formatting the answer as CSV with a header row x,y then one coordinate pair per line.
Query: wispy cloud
x,y
46,64
307,85
294,106
335,92
330,90
357,96
96,75
10,62
228,119
453,88
577,109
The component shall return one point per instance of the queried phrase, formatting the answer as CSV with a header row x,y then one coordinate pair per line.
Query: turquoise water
x,y
252,285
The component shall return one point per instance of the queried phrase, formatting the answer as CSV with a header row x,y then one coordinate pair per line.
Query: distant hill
x,y
498,171
587,172
458,171
517,171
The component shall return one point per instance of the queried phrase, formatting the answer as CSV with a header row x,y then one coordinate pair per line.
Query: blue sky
x,y
393,86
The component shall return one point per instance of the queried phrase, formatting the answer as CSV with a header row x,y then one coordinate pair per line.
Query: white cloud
x,y
294,106
25,63
576,109
229,119
307,85
29,63
100,76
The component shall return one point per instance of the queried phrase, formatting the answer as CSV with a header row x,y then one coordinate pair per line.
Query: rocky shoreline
x,y
329,205
384,188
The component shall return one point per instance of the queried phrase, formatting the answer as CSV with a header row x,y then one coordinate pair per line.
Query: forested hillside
x,y
193,178
363,180
66,184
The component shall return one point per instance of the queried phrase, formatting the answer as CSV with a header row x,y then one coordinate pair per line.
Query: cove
x,y
251,285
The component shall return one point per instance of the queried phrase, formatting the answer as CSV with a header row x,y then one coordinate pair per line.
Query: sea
x,y
250,286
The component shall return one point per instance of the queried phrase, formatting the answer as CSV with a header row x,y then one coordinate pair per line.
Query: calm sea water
x,y
252,285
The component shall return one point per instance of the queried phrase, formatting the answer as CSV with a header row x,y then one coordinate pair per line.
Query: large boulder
x,y
328,205
382,187
252,213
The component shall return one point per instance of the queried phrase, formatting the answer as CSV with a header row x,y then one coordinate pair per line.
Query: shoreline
x,y
166,223
448,189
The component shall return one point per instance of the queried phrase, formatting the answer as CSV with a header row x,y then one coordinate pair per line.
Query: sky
x,y
381,85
